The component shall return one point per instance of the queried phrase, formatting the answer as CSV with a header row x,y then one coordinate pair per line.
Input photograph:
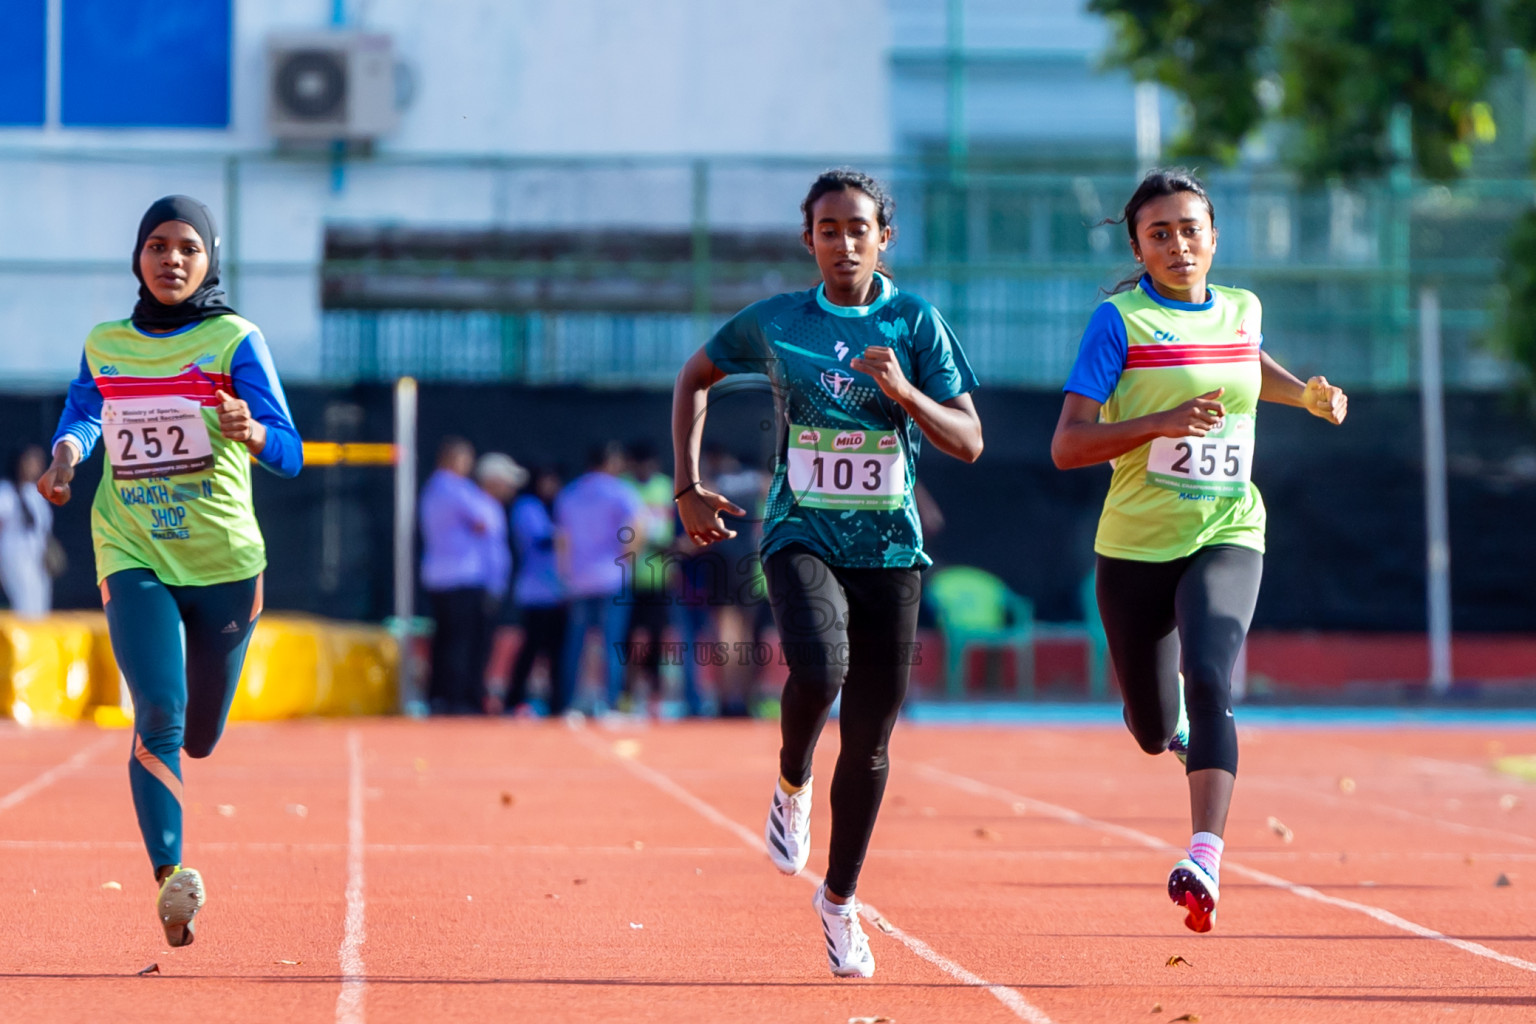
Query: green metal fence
x,y
1016,262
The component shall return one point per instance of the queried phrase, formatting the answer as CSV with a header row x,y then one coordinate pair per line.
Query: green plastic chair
x,y
1091,632
977,612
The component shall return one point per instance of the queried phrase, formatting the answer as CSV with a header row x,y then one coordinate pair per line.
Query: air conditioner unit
x,y
330,85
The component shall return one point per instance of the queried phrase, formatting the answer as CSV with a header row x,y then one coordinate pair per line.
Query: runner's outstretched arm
x,y
1321,399
698,507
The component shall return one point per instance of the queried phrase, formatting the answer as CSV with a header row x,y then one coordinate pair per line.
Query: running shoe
x,y
1179,744
788,831
847,945
181,897
1192,888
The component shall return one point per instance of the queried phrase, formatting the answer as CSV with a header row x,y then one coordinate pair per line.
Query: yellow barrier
x,y
61,669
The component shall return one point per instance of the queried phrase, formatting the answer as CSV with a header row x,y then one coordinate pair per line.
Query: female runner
x,y
183,393
862,372
1165,388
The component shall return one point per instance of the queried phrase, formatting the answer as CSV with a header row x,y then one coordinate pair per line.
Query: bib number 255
x,y
1218,464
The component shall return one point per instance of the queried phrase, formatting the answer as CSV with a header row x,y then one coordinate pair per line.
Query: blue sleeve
x,y
1100,356
81,419
939,367
256,383
738,346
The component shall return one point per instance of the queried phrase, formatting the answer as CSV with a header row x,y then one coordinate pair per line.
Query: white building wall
x,y
495,79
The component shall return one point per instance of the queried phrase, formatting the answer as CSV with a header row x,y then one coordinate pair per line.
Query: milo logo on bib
x,y
852,469
848,441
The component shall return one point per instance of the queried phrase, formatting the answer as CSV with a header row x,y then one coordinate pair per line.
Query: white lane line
x,y
349,1001
1151,842
55,773
1021,1007
1400,813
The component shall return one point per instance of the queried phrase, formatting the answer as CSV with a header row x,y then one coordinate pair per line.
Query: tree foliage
x,y
1332,71
1332,75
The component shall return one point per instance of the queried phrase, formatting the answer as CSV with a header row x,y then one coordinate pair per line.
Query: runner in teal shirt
x,y
862,373
844,445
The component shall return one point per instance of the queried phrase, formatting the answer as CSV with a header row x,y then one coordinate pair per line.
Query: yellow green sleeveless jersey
x,y
175,494
1143,354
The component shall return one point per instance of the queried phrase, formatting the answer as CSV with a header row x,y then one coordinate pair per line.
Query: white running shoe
x,y
181,897
788,831
847,945
1193,889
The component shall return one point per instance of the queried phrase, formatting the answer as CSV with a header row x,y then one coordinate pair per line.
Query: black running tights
x,y
850,630
1190,613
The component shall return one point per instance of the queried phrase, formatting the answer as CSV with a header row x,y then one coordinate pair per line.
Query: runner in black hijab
x,y
209,300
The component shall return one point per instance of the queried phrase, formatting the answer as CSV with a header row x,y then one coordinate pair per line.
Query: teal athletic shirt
x,y
846,454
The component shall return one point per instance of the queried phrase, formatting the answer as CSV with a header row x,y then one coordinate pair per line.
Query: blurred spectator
x,y
500,478
597,524
722,595
537,592
27,546
455,518
742,606
651,611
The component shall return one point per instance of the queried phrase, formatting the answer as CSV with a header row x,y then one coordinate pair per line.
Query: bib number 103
x,y
846,469
1219,464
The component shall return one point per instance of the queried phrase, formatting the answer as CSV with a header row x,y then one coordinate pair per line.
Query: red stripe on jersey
x,y
1188,355
192,383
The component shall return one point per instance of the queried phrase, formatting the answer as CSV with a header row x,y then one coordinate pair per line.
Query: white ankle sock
x,y
1205,849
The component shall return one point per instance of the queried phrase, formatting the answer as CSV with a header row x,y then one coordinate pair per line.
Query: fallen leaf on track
x,y
507,799
151,969
885,926
579,881
551,895
871,1020
1193,1018
290,963
421,765
1174,961
987,833
1346,785
1280,829
1503,881
1157,1007
114,886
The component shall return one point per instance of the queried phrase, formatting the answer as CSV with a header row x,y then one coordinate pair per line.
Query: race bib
x,y
847,469
1218,464
155,437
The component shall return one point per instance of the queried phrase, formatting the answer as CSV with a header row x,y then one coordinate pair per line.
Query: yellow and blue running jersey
x,y
1143,353
846,454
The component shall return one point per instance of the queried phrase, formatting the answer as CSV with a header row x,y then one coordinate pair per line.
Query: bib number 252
x,y
155,437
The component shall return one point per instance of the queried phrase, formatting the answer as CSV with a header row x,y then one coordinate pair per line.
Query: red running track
x,y
391,870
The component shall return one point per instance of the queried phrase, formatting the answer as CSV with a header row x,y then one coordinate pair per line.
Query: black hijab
x,y
208,301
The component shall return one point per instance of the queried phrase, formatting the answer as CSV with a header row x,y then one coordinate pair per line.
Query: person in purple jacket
x,y
597,523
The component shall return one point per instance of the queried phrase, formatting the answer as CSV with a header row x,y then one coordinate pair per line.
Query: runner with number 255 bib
x,y
1165,388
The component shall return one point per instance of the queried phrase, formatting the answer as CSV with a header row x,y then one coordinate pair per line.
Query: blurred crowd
x,y
552,595
30,557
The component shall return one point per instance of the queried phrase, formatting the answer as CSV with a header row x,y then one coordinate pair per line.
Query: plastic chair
x,y
977,612
1091,632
